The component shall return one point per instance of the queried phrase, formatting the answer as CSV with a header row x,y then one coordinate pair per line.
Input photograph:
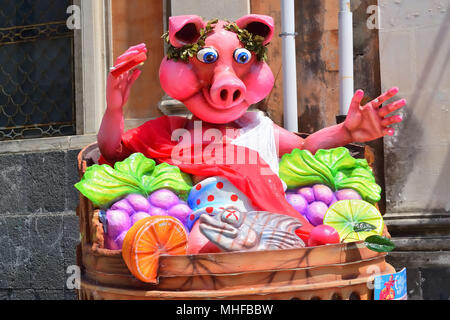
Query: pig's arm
x,y
117,92
363,123
331,137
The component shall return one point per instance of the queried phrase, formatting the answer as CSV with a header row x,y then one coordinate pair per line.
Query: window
x,y
36,70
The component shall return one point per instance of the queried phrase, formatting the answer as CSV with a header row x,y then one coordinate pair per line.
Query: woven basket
x,y
337,272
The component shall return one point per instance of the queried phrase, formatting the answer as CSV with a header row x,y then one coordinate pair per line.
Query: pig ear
x,y
258,24
184,30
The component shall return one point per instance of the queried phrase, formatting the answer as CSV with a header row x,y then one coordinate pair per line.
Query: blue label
x,y
391,286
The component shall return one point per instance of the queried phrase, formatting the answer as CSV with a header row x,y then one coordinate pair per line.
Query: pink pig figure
x,y
218,85
221,92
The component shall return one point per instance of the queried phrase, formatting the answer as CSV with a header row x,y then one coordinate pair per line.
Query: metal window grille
x,y
36,70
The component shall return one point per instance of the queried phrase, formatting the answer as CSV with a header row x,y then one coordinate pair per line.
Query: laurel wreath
x,y
251,42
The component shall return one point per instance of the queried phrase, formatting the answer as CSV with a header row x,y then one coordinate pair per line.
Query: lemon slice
x,y
347,216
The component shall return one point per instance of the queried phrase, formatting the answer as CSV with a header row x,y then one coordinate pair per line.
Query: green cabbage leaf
x,y
137,174
335,168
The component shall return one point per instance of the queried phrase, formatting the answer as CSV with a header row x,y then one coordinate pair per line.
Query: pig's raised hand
x,y
120,80
119,83
370,122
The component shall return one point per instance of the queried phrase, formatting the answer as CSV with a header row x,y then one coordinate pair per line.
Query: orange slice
x,y
147,240
128,241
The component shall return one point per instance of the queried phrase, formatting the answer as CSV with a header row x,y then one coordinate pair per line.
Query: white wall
x,y
415,56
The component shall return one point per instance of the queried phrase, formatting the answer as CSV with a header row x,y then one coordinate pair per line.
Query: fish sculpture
x,y
233,230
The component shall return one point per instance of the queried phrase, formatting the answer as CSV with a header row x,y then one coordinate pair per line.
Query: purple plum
x,y
126,212
307,193
163,199
139,216
120,238
298,202
111,244
316,212
154,211
333,201
123,205
348,194
323,193
138,202
118,221
180,211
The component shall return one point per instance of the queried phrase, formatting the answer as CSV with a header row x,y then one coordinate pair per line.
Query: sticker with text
x,y
391,286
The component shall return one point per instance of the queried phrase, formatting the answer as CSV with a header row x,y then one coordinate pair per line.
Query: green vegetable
x,y
166,176
335,168
135,175
379,244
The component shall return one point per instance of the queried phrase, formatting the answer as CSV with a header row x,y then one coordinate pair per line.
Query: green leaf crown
x,y
251,42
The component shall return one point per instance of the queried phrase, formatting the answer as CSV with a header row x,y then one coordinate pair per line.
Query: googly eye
x,y
207,55
242,56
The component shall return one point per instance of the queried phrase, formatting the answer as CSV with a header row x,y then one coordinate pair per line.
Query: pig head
x,y
224,79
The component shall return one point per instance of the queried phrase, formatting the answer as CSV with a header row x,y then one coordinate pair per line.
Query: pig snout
x,y
227,90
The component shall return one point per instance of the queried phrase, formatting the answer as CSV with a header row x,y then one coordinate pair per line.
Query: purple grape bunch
x,y
123,214
313,202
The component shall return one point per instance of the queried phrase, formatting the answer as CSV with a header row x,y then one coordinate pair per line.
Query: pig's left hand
x,y
370,122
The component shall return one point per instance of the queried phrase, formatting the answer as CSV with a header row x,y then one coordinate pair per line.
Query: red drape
x,y
253,176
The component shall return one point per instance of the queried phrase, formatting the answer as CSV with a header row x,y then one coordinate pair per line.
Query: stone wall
x,y
38,225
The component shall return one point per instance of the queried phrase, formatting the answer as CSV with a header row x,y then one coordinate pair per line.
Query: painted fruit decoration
x,y
354,220
317,182
135,189
313,202
336,193
147,240
126,212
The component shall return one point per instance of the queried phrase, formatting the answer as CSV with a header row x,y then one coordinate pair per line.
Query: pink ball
x,y
322,235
